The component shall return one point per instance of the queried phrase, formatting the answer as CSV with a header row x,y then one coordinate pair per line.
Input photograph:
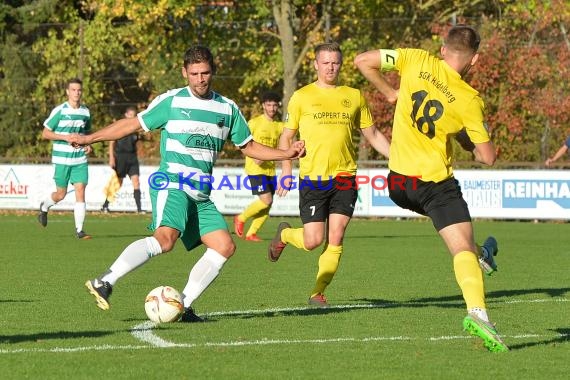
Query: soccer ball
x,y
163,304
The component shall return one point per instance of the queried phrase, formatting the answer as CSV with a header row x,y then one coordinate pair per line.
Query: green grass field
x,y
396,313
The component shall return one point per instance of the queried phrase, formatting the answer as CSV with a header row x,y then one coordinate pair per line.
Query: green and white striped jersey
x,y
65,120
193,133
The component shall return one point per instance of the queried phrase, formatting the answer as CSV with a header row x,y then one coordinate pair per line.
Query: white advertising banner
x,y
25,186
497,194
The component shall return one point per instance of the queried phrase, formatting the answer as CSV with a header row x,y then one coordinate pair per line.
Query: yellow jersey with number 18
x,y
434,104
327,120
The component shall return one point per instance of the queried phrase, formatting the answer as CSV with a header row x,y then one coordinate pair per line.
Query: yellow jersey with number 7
x,y
328,119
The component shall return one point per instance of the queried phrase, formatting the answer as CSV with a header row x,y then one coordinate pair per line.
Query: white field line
x,y
147,336
536,300
144,333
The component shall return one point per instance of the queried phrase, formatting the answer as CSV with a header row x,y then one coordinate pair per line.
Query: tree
x,y
385,24
523,76
128,51
19,116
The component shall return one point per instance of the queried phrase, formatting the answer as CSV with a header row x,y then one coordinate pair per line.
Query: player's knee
x,y
167,245
58,196
227,249
166,241
166,237
312,242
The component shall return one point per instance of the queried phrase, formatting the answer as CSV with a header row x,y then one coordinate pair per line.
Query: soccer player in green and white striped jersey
x,y
70,164
194,122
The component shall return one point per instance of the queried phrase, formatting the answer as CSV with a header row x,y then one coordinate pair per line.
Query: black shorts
x,y
319,199
262,184
126,164
442,201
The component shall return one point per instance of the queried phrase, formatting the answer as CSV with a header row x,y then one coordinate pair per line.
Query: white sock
x,y
47,203
79,214
135,255
481,313
202,274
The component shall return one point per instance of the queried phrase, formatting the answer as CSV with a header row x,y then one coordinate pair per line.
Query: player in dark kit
x,y
123,159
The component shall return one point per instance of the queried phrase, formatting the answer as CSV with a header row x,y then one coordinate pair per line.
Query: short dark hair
x,y
327,46
74,80
463,38
199,54
270,96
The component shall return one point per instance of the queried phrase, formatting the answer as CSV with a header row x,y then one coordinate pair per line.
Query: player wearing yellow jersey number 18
x,y
435,105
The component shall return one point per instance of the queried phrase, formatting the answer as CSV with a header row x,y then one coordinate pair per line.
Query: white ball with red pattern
x,y
163,304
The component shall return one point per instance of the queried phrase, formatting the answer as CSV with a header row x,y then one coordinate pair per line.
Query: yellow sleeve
x,y
251,125
293,112
366,119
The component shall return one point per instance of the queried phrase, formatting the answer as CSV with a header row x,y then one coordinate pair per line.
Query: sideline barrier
x,y
497,194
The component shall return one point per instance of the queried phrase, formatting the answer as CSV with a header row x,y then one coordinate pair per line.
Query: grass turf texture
x,y
397,310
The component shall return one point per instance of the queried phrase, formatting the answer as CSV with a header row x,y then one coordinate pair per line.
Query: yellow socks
x,y
257,222
328,265
328,261
470,279
294,236
252,210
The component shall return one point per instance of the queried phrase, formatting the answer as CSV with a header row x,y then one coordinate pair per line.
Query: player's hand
x,y
297,149
284,185
258,162
76,140
88,149
393,98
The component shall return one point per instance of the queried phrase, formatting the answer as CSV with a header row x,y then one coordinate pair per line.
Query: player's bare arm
x,y
114,131
370,63
561,152
285,182
48,134
485,153
377,139
263,152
